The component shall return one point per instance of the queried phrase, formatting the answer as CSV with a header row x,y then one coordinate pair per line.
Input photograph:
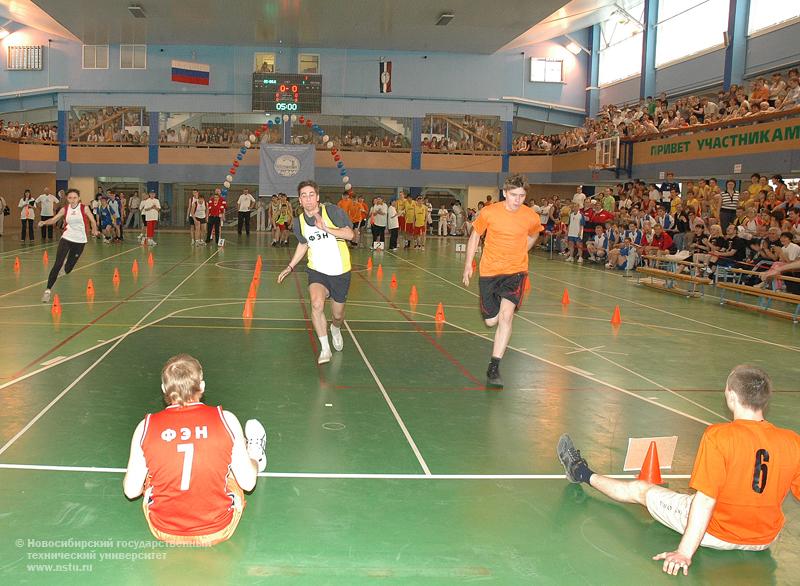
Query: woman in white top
x,y
27,206
73,240
199,213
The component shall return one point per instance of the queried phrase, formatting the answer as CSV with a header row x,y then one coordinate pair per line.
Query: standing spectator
x,y
729,203
3,207
46,202
393,225
216,209
420,218
442,216
27,206
151,208
244,205
378,215
133,211
261,214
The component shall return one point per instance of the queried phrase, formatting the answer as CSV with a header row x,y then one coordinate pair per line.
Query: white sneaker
x,y
256,440
46,296
592,257
609,265
580,260
324,357
151,242
336,339
569,259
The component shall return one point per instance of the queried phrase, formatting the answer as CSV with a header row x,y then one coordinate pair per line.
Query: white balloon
x,y
285,117
345,179
247,144
228,177
252,137
226,183
326,138
330,144
294,117
349,186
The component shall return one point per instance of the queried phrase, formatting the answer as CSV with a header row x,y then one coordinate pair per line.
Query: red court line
x,y
312,336
95,320
426,335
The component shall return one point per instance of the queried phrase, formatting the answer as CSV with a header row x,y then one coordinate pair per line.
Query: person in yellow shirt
x,y
410,216
420,211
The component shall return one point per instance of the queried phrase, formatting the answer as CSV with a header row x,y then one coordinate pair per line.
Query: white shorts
x,y
671,509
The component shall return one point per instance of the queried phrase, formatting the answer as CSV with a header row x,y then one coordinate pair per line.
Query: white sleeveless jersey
x,y
75,225
200,210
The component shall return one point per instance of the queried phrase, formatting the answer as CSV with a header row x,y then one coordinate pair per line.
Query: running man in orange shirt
x,y
511,230
742,473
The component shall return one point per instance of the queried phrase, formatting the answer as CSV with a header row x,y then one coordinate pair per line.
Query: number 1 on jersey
x,y
188,456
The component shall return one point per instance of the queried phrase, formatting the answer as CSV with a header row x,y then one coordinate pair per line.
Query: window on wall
x,y
686,27
766,13
308,63
621,45
95,56
547,70
133,56
264,63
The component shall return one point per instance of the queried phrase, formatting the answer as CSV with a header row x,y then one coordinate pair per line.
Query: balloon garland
x,y
254,139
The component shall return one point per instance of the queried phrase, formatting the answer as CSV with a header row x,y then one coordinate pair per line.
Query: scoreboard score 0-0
x,y
287,93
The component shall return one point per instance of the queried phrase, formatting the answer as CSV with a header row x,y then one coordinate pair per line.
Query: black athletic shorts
x,y
499,287
337,285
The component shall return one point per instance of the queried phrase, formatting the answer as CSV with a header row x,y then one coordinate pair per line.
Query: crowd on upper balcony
x,y
27,131
653,116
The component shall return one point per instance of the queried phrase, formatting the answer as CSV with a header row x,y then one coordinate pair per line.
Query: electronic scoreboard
x,y
287,93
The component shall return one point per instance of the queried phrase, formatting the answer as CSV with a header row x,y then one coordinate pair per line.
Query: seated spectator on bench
x,y
656,243
597,247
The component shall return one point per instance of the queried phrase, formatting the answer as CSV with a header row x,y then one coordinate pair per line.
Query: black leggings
x,y
213,226
27,225
67,251
377,233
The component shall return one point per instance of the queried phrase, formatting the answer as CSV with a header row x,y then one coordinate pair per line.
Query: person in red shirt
x,y
192,462
658,243
742,473
216,211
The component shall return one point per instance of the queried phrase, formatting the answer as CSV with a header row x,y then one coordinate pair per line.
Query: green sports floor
x,y
392,464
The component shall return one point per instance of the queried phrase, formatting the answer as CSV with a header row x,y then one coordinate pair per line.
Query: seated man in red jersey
x,y
192,462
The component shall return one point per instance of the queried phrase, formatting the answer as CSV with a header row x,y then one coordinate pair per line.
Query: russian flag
x,y
188,72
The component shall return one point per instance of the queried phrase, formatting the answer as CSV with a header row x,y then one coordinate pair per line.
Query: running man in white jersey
x,y
76,218
323,231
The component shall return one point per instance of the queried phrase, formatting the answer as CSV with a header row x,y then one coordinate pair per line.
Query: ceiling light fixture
x,y
573,48
136,10
445,18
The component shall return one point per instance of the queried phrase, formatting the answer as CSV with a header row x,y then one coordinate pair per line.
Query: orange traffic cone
x,y
150,259
135,268
16,264
394,282
651,471
527,283
369,264
379,273
45,259
257,274
56,309
115,278
253,292
258,262
565,298
413,298
248,309
89,288
439,313
616,319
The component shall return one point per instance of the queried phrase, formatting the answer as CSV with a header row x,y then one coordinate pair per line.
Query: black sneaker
x,y
493,378
571,459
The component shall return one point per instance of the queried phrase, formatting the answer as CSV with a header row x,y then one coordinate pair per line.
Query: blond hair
x,y
181,380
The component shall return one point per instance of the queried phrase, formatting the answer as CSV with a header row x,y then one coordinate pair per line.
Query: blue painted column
x,y
416,143
152,142
62,136
593,73
736,51
647,83
507,143
152,186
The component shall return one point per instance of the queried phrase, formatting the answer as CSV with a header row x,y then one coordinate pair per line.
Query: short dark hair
x,y
752,386
516,181
73,190
787,234
307,183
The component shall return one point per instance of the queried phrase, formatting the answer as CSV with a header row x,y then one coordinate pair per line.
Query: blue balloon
x,y
278,119
343,172
269,122
243,150
340,164
239,157
224,192
320,131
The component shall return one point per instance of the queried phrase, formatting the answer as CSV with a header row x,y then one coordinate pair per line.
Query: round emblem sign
x,y
287,165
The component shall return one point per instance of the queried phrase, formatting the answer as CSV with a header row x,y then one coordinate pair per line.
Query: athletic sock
x,y
324,345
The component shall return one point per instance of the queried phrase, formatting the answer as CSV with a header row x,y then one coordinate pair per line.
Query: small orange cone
x,y
439,313
258,262
394,282
379,274
45,259
651,471
16,264
115,278
248,309
369,264
527,283
89,288
616,319
150,259
565,298
56,309
413,298
135,268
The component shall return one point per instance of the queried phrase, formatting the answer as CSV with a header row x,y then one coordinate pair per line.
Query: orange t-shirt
x,y
749,468
505,251
364,209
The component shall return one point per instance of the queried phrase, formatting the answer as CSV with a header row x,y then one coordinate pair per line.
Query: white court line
x,y
53,360
21,251
568,368
80,377
345,475
82,267
397,417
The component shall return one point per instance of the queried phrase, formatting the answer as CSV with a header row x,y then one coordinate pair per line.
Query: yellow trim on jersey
x,y
344,251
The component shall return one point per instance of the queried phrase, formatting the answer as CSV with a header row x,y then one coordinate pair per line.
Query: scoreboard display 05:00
x,y
289,93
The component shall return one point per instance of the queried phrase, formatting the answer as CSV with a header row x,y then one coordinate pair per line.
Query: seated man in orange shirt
x,y
742,473
192,462
511,229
